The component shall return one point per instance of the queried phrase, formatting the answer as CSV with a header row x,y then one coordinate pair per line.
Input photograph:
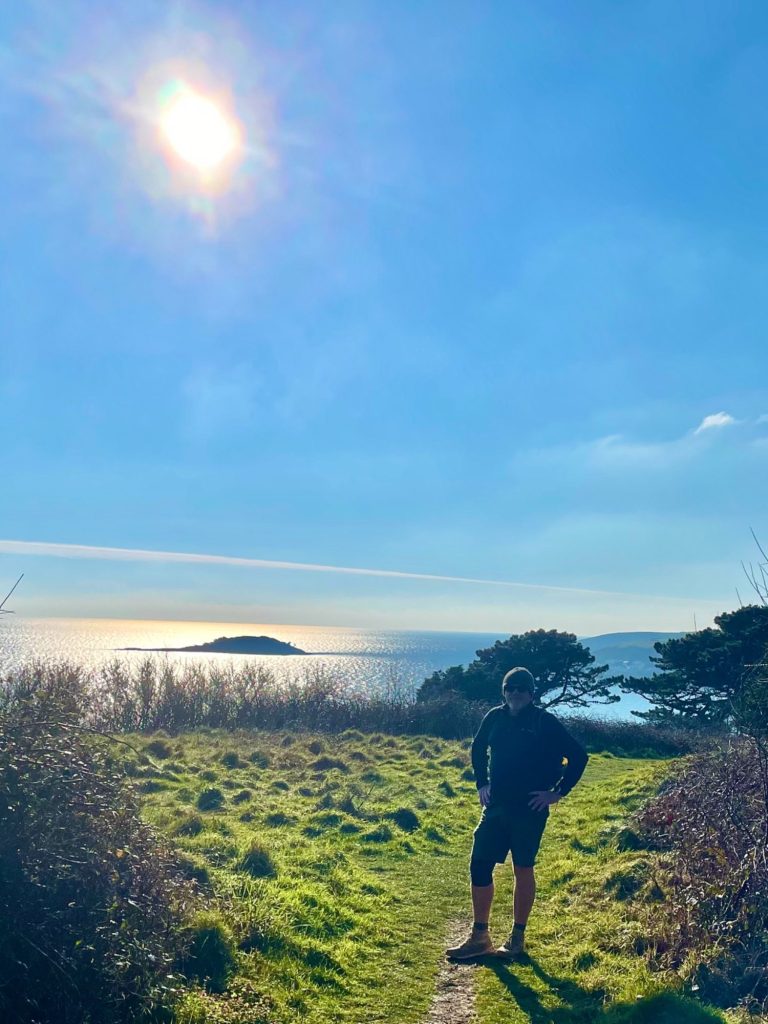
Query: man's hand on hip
x,y
542,798
484,795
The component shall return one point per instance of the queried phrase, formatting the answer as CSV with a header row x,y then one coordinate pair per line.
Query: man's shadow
x,y
583,1005
577,1003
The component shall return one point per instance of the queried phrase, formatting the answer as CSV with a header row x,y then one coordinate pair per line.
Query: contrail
x,y
34,547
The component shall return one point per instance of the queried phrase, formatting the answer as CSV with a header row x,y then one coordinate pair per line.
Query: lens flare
x,y
196,130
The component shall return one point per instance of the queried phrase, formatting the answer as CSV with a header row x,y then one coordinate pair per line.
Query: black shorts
x,y
501,831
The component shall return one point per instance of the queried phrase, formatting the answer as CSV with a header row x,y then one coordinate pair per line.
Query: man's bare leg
x,y
525,894
482,898
479,941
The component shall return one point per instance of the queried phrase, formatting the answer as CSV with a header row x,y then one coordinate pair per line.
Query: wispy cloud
x,y
85,551
715,421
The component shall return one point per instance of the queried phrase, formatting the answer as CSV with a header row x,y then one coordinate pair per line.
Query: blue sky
x,y
486,298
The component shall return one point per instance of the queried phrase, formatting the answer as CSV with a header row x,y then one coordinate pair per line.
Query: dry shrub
x,y
711,822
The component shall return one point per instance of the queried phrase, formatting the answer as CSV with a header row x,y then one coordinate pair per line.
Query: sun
x,y
196,130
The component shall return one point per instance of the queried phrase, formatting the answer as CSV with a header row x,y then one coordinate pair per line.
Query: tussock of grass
x,y
192,825
210,800
257,861
328,764
405,818
159,748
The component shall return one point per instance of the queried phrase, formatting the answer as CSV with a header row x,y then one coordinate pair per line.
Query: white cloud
x,y
55,550
714,421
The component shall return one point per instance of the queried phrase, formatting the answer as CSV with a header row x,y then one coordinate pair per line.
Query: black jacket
x,y
527,752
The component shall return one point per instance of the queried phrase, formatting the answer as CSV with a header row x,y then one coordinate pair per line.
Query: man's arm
x,y
479,752
577,759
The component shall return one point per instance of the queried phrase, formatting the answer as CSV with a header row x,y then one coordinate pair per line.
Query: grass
x,y
341,874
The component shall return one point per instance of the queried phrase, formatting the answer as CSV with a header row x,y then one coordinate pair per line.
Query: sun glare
x,y
197,131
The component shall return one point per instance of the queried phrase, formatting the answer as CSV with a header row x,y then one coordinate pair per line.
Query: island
x,y
230,645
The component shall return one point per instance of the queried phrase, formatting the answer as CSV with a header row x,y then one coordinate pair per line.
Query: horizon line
x,y
92,552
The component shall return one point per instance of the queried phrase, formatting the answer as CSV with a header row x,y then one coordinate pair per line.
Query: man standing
x,y
527,749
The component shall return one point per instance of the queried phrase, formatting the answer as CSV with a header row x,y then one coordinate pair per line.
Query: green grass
x,y
340,872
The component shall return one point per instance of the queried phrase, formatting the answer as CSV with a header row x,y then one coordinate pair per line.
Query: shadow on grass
x,y
580,1005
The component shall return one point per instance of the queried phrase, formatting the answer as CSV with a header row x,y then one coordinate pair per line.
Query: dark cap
x,y
519,677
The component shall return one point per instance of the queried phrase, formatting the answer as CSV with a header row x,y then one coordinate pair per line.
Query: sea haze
x,y
368,660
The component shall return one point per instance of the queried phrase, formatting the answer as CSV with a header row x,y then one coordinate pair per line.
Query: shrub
x,y
91,899
260,759
210,799
712,821
315,747
211,951
242,797
257,861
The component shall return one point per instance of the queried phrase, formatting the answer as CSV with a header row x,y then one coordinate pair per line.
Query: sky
x,y
481,297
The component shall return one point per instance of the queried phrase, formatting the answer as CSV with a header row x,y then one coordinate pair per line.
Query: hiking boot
x,y
478,944
513,947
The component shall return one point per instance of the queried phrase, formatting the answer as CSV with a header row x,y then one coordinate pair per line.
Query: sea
x,y
367,660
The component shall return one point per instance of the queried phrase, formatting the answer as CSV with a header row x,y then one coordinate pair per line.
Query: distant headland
x,y
230,645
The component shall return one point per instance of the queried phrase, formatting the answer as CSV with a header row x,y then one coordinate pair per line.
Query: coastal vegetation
x,y
326,872
200,843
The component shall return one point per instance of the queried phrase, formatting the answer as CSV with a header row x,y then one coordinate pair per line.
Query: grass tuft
x,y
210,799
257,861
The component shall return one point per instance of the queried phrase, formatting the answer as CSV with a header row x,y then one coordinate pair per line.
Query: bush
x,y
91,899
712,821
155,695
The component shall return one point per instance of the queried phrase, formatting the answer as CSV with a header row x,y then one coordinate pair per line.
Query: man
x,y
527,746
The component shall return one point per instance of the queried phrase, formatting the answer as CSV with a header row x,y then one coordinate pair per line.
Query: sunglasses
x,y
517,689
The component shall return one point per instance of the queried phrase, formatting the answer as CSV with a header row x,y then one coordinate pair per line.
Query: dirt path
x,y
454,999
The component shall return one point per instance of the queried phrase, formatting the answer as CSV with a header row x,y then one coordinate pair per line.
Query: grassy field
x,y
339,867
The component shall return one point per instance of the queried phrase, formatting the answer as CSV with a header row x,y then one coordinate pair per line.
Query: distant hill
x,y
626,653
